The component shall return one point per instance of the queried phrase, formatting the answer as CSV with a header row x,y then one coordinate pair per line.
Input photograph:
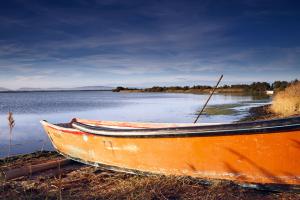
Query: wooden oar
x,y
208,99
31,169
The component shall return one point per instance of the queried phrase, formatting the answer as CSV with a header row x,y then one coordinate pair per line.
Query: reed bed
x,y
287,102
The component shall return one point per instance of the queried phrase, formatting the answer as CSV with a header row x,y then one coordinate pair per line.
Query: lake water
x,y
31,107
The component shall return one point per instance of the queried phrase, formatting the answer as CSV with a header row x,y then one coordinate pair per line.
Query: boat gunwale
x,y
190,131
257,124
180,133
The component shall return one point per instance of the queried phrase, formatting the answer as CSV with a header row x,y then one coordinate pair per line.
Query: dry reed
x,y
287,102
11,124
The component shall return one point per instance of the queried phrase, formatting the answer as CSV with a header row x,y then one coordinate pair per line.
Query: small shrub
x,y
287,102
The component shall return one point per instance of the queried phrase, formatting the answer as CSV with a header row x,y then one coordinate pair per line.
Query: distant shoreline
x,y
196,91
253,88
21,91
189,91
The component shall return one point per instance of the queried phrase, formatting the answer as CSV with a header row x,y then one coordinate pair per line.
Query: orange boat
x,y
264,152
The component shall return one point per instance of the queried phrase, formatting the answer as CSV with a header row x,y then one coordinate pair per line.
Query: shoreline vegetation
x,y
286,103
253,88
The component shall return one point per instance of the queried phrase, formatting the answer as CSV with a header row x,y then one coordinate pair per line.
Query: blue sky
x,y
60,43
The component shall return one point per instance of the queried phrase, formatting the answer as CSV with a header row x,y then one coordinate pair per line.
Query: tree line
x,y
255,87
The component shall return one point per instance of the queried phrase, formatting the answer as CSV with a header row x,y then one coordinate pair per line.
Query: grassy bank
x,y
86,182
287,102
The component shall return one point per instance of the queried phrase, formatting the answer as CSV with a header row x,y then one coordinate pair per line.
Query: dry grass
x,y
87,182
287,102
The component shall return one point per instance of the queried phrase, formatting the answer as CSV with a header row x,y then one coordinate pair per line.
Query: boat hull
x,y
253,158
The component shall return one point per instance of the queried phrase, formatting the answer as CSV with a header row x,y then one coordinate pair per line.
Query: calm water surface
x,y
31,107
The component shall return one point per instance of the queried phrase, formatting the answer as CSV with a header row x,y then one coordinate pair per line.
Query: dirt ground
x,y
78,181
260,113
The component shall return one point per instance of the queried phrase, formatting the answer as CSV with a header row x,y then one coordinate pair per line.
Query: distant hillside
x,y
28,89
66,89
3,89
93,88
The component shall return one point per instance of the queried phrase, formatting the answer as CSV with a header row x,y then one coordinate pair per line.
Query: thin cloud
x,y
146,43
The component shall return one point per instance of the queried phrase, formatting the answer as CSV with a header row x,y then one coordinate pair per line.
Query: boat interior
x,y
133,126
